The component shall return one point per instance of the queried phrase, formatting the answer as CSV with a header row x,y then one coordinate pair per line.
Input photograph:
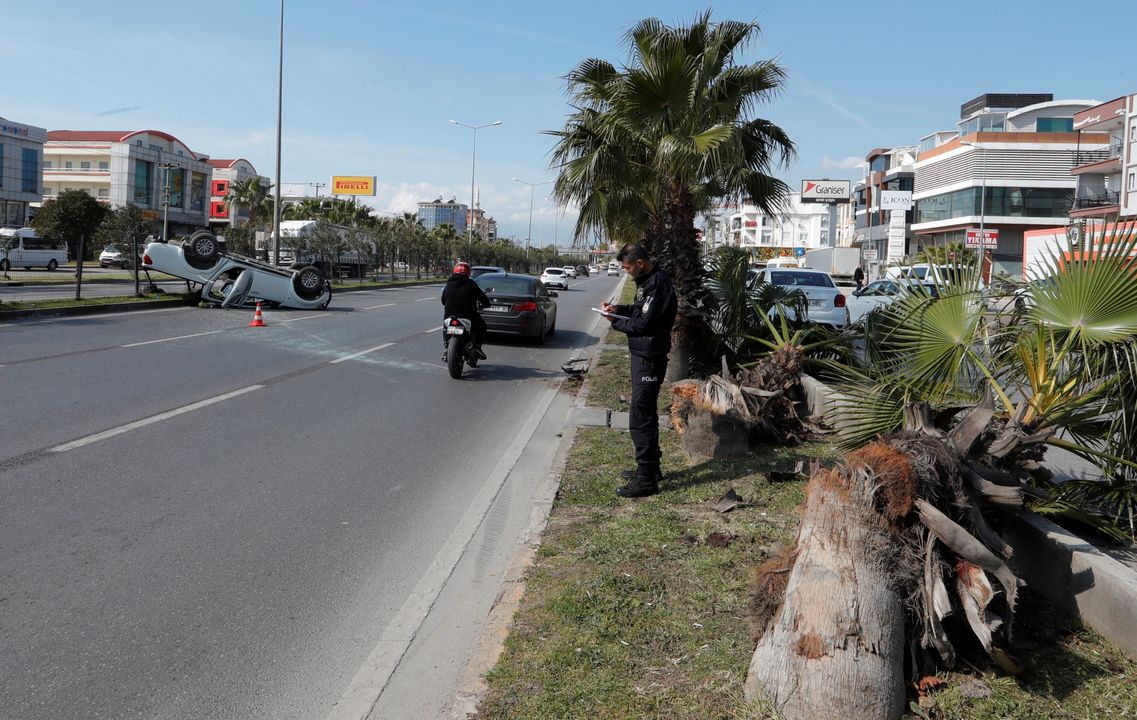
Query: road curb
x,y
1066,569
472,684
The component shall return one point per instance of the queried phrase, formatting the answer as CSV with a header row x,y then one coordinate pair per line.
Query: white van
x,y
614,268
23,248
784,262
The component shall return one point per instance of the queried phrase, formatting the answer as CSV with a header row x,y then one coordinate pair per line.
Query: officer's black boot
x,y
640,483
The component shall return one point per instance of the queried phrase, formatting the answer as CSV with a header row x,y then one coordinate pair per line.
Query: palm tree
x,y
252,196
957,404
651,145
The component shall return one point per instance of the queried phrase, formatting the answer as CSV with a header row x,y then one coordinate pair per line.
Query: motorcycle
x,y
459,345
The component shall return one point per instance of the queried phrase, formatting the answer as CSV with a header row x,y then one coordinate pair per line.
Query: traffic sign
x,y
799,252
869,254
982,239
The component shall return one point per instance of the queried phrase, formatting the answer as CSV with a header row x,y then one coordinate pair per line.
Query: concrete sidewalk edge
x,y
1064,568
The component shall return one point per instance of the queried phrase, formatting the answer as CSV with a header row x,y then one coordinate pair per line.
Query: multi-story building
x,y
226,173
1107,177
883,235
1007,169
451,212
797,228
148,168
21,157
484,227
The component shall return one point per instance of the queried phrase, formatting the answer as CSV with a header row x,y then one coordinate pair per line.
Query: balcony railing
x,y
1099,200
1088,157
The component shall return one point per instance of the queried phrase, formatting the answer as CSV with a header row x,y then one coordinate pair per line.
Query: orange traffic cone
x,y
258,319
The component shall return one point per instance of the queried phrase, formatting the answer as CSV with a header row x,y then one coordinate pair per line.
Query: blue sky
x,y
370,84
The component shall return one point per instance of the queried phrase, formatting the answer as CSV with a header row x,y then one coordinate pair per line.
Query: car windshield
x,y
880,287
478,271
554,271
800,279
506,284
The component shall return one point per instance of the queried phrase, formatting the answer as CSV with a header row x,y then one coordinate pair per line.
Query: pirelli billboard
x,y
824,191
353,185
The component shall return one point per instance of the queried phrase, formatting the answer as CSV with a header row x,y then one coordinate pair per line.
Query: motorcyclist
x,y
461,298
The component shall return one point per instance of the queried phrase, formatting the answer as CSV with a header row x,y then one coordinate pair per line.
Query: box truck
x,y
839,262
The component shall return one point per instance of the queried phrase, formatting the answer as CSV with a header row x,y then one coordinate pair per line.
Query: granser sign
x,y
824,191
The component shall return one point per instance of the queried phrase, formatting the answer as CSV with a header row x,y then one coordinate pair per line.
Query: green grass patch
x,y
628,611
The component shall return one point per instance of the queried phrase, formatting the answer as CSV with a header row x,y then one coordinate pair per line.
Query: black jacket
x,y
650,316
461,297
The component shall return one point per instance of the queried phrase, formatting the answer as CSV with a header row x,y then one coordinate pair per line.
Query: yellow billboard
x,y
353,184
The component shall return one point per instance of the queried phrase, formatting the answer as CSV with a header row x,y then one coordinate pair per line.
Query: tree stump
x,y
711,435
835,649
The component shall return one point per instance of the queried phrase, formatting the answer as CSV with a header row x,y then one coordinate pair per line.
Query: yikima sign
x,y
981,239
353,184
824,191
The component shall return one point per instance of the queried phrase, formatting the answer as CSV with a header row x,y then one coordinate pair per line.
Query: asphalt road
x,y
205,520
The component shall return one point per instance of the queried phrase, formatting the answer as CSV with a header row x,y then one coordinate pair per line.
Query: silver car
x,y
826,303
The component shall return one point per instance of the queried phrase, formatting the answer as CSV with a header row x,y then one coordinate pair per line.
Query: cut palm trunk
x,y
891,543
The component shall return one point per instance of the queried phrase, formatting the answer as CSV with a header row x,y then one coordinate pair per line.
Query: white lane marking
x,y
425,299
151,420
345,358
170,339
436,328
369,682
306,317
379,306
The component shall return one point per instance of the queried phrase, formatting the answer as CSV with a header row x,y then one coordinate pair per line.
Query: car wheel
x,y
553,327
540,339
203,245
51,265
308,282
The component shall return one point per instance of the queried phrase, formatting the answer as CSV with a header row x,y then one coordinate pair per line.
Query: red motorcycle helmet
x,y
462,268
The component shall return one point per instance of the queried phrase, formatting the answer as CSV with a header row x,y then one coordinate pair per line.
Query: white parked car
x,y
230,280
826,301
881,293
555,276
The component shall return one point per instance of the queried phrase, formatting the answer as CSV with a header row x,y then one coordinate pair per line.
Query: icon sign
x,y
984,239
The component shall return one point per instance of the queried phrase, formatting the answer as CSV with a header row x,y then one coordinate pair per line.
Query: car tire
x,y
52,265
540,339
308,282
202,245
552,328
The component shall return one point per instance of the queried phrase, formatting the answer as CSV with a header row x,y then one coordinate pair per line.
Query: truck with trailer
x,y
839,262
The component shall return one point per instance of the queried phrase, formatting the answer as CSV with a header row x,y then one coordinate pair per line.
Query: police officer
x,y
647,323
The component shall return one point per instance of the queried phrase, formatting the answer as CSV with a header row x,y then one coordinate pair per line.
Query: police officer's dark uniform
x,y
648,328
461,298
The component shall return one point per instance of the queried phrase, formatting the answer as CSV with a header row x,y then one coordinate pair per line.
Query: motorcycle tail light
x,y
454,322
525,307
839,301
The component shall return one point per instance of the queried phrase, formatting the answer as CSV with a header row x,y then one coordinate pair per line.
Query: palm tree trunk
x,y
678,250
835,649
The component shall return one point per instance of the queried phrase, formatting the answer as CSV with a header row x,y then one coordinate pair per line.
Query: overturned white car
x,y
230,280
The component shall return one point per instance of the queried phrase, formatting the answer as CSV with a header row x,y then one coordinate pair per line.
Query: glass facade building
x,y
434,214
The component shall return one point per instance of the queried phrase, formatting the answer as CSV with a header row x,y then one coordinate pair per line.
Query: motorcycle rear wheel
x,y
454,358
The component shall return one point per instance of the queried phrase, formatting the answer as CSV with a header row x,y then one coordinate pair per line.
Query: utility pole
x,y
317,185
166,167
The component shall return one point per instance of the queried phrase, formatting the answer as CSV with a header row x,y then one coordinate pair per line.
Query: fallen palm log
x,y
892,542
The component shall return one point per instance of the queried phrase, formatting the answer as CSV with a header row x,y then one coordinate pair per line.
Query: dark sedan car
x,y
519,305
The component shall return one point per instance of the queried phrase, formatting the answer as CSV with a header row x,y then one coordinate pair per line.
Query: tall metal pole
x,y
529,236
473,166
279,112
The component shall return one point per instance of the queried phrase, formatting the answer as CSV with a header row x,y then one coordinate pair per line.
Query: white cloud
x,y
850,163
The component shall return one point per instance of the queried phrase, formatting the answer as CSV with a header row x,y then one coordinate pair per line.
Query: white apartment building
x,y
227,172
1008,169
796,228
148,168
21,157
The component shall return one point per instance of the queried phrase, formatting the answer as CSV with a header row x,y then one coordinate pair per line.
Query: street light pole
x,y
279,112
473,166
166,197
529,235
